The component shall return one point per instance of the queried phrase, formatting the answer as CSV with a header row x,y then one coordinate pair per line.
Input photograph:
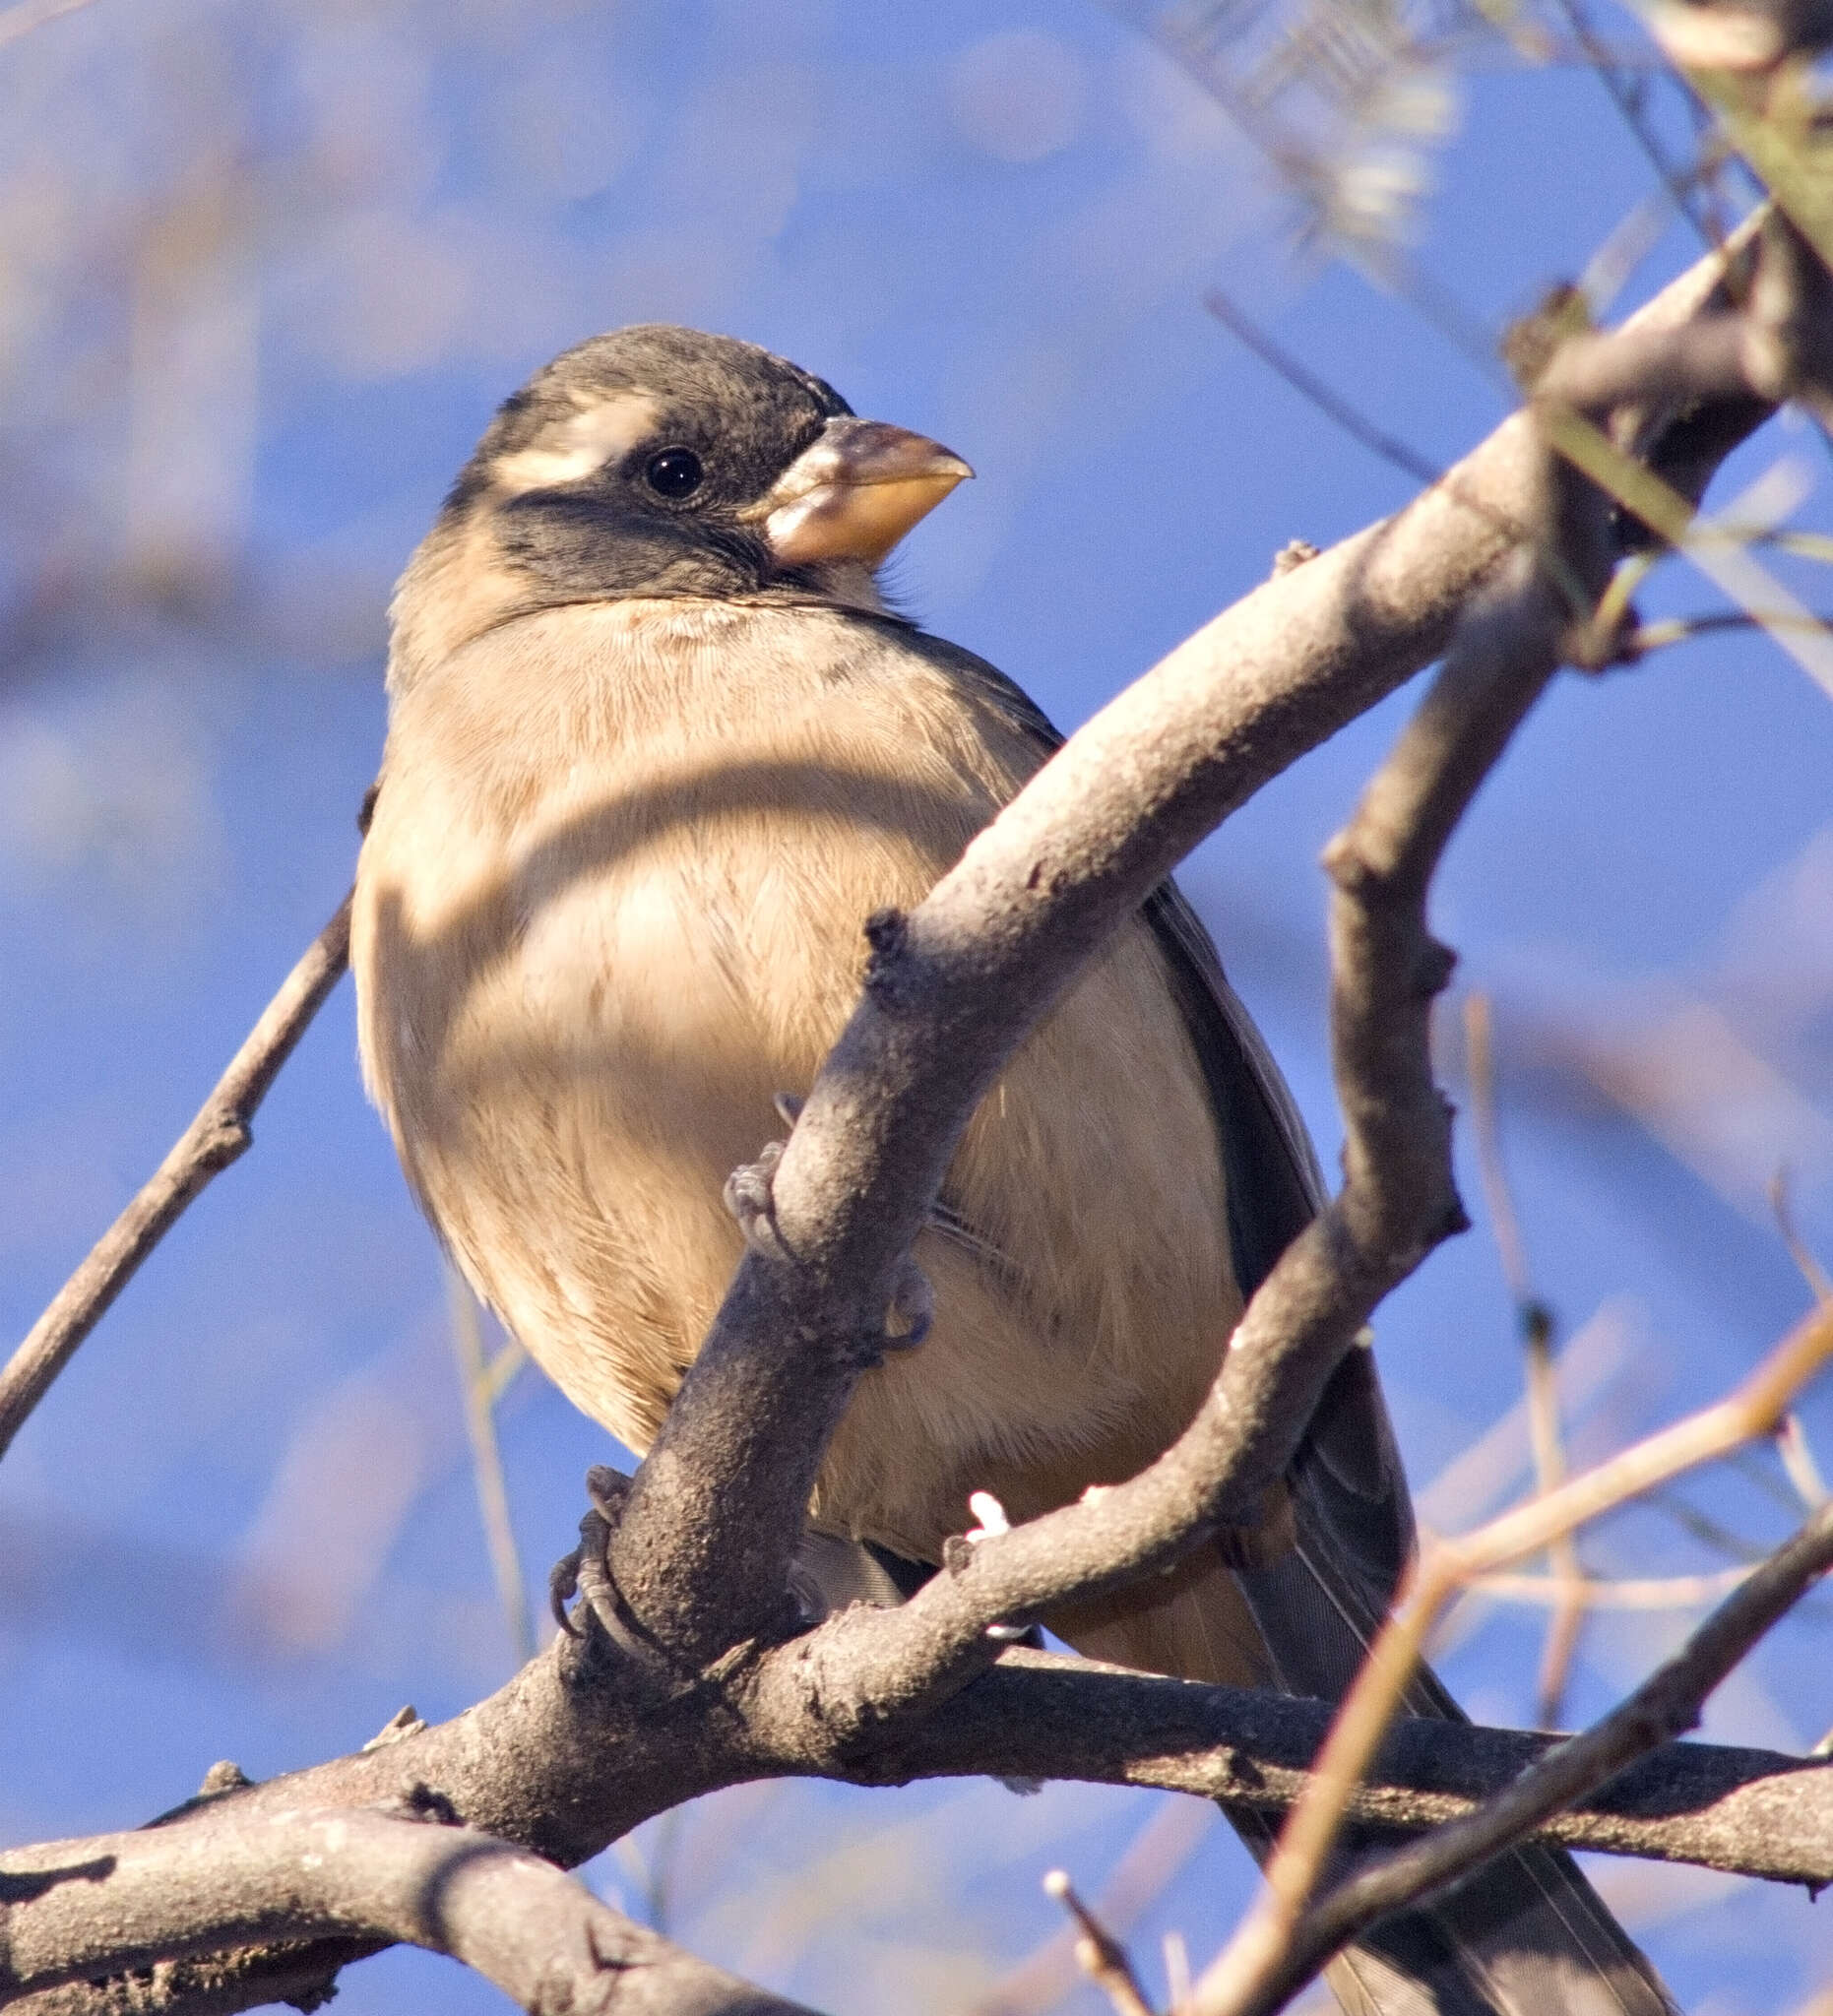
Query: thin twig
x,y
1792,1443
1753,1409
508,1360
1702,1526
1480,1067
1665,1706
1334,406
1634,1592
1728,565
220,1132
1486,1472
1098,1954
1671,630
1042,1980
1535,1319
1799,1251
1330,403
1605,66
486,1461
26,15
1177,1973
1797,1459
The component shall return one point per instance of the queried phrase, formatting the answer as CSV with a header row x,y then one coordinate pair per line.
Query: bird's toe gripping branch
x,y
750,1196
747,1196
583,1572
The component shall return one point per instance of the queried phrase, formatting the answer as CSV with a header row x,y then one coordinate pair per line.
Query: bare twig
x,y
1672,630
1098,1954
1535,1320
1629,1593
1709,1532
1730,567
1751,354
508,1360
1234,1984
25,15
477,1390
1799,1251
1309,386
1043,1979
1480,1067
1626,95
1797,1459
1487,1473
1665,1706
1177,1973
220,1132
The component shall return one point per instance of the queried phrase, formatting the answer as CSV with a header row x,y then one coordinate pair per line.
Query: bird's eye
x,y
673,472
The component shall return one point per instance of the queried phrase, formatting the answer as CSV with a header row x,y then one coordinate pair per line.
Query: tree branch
x,y
1665,1704
1751,1811
221,1133
700,1555
73,1909
590,1738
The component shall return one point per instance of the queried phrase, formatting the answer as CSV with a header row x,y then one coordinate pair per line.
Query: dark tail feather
x,y
1525,1937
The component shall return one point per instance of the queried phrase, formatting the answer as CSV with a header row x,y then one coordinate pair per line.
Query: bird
x,y
657,744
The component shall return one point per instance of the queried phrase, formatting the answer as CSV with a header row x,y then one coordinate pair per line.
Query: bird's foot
x,y
747,1195
584,1572
750,1198
912,1308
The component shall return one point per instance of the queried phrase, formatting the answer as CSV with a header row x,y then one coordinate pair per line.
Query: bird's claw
x,y
912,1308
583,1572
747,1196
571,1574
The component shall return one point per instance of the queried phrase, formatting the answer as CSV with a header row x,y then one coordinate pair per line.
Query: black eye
x,y
673,472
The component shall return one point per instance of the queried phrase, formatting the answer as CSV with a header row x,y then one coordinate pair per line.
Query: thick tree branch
x,y
1396,1203
73,1909
1036,1714
702,1551
214,1140
1754,1812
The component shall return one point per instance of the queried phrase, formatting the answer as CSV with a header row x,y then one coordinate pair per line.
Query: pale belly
x,y
579,998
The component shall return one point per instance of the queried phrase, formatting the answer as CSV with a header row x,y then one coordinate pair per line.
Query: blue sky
x,y
266,270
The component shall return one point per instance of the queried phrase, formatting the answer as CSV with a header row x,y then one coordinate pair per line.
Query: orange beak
x,y
854,491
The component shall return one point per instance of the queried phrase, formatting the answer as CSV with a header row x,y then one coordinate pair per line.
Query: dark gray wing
x,y
1526,1935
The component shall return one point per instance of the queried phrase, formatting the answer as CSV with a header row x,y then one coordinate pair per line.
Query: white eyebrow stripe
x,y
604,431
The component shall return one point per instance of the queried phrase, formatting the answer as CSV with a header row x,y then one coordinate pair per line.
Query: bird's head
x,y
660,461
